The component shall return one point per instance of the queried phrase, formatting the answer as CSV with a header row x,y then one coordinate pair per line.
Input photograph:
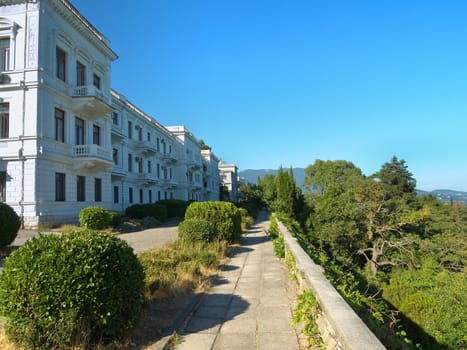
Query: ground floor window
x,y
130,194
115,194
2,186
80,188
98,190
59,187
150,196
141,196
158,195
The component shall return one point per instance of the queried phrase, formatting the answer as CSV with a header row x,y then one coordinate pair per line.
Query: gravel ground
x,y
140,240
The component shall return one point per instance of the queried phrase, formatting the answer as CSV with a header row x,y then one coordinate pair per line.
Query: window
x,y
96,134
80,74
140,134
115,156
130,194
61,64
140,165
115,194
98,190
4,120
158,195
158,144
141,196
4,54
115,118
150,196
80,188
149,167
79,131
130,130
59,125
96,80
2,186
158,171
130,162
149,137
59,187
165,195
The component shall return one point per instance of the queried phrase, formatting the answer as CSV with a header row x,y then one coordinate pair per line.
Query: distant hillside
x,y
251,176
446,196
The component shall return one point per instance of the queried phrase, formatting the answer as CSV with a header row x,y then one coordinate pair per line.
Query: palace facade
x,y
67,139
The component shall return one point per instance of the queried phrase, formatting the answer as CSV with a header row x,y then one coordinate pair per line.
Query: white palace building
x,y
67,140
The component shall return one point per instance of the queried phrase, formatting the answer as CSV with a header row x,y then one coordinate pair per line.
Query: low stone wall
x,y
340,326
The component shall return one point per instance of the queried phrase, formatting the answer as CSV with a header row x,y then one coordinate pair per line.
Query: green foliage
x,y
306,313
140,211
279,246
192,230
250,198
273,230
247,220
97,218
434,299
71,289
175,207
223,215
9,224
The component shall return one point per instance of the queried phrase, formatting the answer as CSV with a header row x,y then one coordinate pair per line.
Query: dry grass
x,y
174,274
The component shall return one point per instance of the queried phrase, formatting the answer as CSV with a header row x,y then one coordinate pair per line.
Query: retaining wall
x,y
340,326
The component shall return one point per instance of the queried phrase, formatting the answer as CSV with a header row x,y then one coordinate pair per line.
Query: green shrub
x,y
9,225
247,220
114,218
71,289
95,218
176,208
140,211
273,230
196,230
223,215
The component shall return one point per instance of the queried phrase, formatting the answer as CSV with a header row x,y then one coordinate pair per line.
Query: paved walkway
x,y
249,306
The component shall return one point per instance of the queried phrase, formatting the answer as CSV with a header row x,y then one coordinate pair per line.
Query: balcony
x,y
118,171
146,147
168,158
117,133
192,166
147,179
90,101
91,156
169,183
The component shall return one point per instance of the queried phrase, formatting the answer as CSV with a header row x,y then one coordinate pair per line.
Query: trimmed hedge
x,y
193,230
224,216
72,289
97,218
9,224
176,208
140,211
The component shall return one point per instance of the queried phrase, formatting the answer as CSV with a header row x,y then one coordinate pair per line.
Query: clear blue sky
x,y
286,82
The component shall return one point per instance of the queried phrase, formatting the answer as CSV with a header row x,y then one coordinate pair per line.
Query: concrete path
x,y
249,306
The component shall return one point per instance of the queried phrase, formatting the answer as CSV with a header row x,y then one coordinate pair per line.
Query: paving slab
x,y
250,302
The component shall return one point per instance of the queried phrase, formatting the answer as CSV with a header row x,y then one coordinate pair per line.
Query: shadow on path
x,y
213,311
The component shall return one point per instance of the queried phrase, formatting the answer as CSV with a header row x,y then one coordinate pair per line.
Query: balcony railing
x,y
90,100
95,152
146,146
87,91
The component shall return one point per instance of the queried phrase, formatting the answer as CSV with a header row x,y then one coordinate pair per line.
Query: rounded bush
x,y
95,218
196,230
9,225
223,215
71,289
